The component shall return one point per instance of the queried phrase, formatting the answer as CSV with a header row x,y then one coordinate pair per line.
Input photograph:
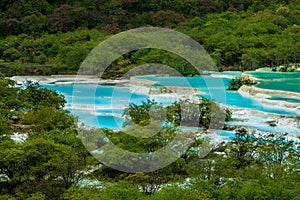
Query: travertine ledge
x,y
263,94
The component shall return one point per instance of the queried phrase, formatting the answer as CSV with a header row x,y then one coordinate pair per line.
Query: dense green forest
x,y
51,37
51,162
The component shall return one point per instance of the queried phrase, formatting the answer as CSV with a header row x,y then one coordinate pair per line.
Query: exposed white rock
x,y
263,94
64,79
261,121
19,137
147,87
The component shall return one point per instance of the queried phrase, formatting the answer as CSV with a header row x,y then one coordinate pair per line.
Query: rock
x,y
272,123
264,94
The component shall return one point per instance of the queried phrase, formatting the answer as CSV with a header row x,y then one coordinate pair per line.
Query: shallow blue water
x,y
102,106
284,98
215,88
95,105
228,135
96,95
286,81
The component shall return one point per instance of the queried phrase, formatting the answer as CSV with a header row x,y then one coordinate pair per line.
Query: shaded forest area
x,y
53,37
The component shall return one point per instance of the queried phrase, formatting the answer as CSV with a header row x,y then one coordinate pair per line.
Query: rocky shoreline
x,y
65,79
264,94
243,117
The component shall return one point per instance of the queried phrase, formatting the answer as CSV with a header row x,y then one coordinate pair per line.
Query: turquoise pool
x,y
227,135
284,98
215,88
102,106
286,81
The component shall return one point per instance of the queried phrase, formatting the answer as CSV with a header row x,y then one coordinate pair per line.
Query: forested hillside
x,y
51,37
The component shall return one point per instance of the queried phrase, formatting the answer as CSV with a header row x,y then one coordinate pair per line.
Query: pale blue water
x,y
215,88
286,81
228,135
97,106
266,128
95,94
102,106
284,98
230,73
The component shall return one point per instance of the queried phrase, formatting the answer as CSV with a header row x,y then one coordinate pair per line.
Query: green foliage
x,y
240,35
177,192
140,114
141,145
48,162
47,54
239,81
121,190
243,149
36,96
130,60
206,114
78,193
34,23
